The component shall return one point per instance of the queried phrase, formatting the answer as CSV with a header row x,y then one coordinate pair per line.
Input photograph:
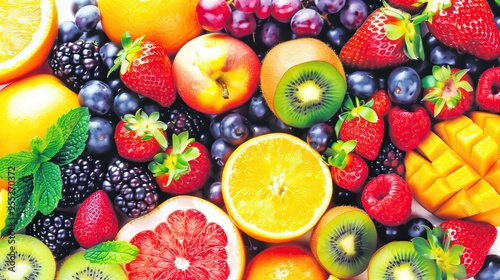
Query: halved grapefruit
x,y
185,237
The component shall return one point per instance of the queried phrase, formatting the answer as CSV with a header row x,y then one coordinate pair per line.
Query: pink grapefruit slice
x,y
185,237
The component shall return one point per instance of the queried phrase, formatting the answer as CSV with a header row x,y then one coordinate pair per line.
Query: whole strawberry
x,y
488,90
388,37
448,92
466,25
387,199
476,237
381,102
408,127
146,69
139,138
184,167
361,123
349,171
95,220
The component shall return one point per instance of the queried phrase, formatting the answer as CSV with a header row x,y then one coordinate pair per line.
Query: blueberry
x,y
442,56
235,128
258,111
87,18
342,196
115,83
109,52
403,85
319,136
220,151
78,4
388,234
415,228
258,130
214,126
126,102
276,125
100,139
96,35
362,84
338,36
67,31
97,96
213,193
490,269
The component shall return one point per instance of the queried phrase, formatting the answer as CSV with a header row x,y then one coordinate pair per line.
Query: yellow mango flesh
x,y
454,172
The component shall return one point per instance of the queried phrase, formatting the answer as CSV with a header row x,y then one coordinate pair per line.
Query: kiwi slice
x,y
400,260
77,267
309,93
25,257
344,241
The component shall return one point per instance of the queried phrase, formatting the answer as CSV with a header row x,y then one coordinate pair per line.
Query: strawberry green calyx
x,y
176,163
445,87
437,247
335,154
408,27
126,55
146,127
352,111
432,7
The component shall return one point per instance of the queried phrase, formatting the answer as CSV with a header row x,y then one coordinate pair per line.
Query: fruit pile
x,y
250,139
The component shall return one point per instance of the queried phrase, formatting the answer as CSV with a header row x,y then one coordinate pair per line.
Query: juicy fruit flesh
x,y
77,267
16,34
186,246
264,181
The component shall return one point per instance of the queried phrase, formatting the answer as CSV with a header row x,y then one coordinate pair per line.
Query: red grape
x,y
246,6
329,6
240,24
306,23
353,14
263,9
213,14
270,34
283,10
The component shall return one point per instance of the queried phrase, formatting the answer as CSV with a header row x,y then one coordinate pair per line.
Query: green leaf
x,y
394,32
429,82
53,141
47,187
368,114
74,127
18,199
112,252
460,271
455,253
19,164
423,248
28,213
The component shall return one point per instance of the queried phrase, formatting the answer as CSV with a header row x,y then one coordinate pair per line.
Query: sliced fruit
x,y
400,260
77,267
454,170
265,180
25,257
4,203
185,237
285,262
344,240
27,31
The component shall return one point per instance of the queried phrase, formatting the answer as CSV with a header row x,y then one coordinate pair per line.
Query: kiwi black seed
x,y
309,93
76,267
346,243
400,260
25,257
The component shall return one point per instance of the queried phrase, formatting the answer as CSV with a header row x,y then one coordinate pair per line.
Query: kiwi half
x,y
77,267
344,240
400,260
309,93
25,257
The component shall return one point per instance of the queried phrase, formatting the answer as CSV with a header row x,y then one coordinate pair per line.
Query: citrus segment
x,y
27,32
169,23
276,187
186,237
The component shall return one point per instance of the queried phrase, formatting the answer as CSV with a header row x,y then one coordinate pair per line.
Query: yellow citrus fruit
x,y
4,196
27,32
28,107
286,262
170,23
276,187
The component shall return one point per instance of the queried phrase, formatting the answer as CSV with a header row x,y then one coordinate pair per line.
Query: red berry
x,y
387,199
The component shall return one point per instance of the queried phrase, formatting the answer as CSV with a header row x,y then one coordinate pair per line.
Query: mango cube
x,y
466,139
483,155
459,206
484,196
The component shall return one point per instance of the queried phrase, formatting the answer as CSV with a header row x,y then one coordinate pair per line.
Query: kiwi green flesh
x,y
398,260
25,257
309,93
346,244
77,267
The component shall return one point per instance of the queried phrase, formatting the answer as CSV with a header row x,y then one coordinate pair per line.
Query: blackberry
x,y
133,187
56,231
80,178
389,160
180,117
77,62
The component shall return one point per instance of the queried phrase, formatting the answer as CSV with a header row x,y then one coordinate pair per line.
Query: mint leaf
x,y
27,215
19,164
74,127
18,198
112,252
47,187
53,141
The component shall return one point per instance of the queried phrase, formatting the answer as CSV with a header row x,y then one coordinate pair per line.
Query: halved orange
x,y
28,31
276,187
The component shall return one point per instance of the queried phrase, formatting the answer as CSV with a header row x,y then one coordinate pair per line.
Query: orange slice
x,y
27,32
276,187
